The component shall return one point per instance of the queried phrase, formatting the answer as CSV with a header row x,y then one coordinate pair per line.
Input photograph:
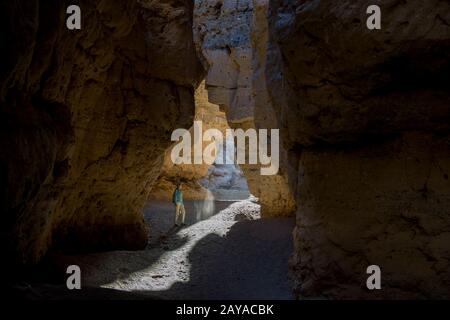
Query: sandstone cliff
x,y
86,117
366,115
190,174
222,33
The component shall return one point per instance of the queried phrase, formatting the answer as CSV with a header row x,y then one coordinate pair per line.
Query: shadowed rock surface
x,y
365,121
364,116
86,117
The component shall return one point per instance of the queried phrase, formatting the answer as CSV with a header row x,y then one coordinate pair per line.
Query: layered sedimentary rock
x,y
190,174
201,181
365,122
86,116
225,180
222,35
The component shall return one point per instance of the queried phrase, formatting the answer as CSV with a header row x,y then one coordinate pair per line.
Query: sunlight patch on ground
x,y
173,265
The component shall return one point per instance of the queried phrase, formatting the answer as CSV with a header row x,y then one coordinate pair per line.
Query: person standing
x,y
177,199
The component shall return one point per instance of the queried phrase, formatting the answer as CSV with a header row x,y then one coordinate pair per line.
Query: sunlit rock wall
x,y
222,33
191,174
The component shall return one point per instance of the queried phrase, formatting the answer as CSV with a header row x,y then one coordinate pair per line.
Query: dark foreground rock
x,y
85,118
365,117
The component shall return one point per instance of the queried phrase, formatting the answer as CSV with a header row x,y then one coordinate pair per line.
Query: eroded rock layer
x,y
222,33
190,175
86,117
366,115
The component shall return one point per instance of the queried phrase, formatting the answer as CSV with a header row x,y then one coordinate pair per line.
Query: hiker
x,y
177,200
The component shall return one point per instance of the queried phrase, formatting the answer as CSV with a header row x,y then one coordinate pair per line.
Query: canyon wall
x,y
86,116
191,174
222,30
365,122
222,181
364,116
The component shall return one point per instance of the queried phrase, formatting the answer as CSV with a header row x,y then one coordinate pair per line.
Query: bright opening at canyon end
x,y
247,151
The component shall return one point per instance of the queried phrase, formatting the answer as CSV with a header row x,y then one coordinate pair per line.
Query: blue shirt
x,y
177,196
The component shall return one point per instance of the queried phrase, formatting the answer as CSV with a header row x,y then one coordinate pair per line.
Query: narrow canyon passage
x,y
231,255
224,250
362,117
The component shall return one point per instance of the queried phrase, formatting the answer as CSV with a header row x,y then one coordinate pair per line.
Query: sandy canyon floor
x,y
223,252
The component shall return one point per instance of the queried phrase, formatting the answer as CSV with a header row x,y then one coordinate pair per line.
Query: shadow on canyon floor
x,y
160,215
250,262
227,256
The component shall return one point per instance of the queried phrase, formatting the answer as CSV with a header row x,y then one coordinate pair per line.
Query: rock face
x,y
201,181
86,117
365,124
190,174
222,30
225,180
